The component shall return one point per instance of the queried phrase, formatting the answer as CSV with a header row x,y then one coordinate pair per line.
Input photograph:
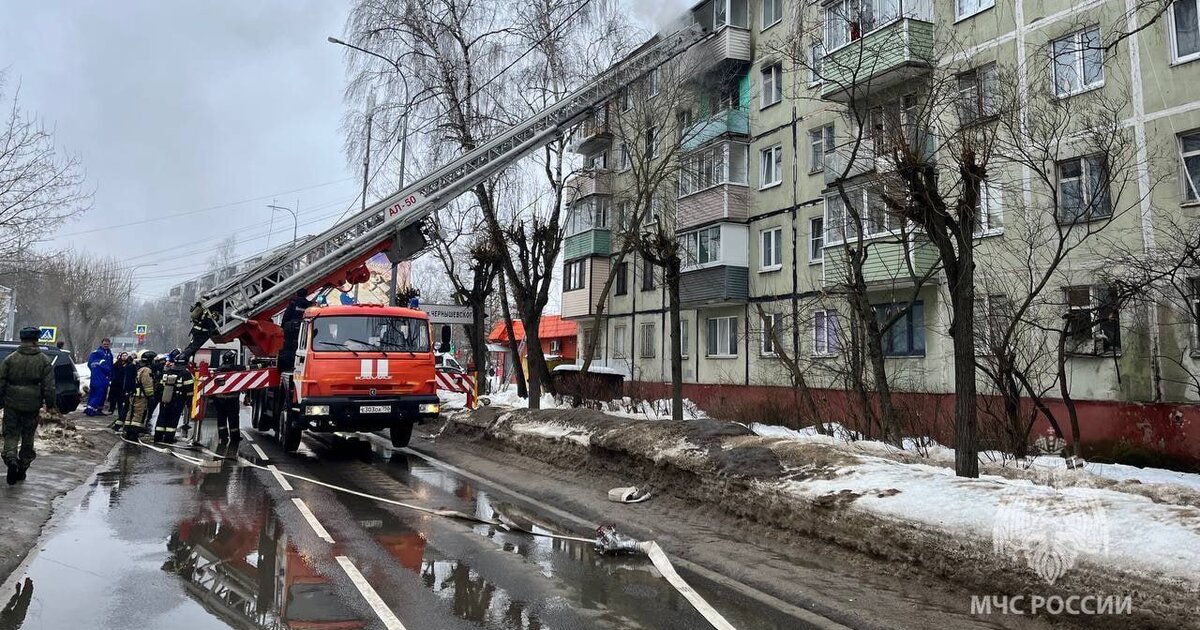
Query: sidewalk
x,y
66,458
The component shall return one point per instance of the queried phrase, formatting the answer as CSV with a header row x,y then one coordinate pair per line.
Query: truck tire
x,y
289,433
400,433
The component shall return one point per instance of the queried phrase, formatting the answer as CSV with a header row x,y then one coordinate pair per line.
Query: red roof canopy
x,y
551,327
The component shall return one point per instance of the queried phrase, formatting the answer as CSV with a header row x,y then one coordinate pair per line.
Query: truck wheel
x,y
400,433
289,433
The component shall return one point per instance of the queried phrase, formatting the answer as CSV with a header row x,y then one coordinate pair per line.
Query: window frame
x,y
621,281
776,162
775,235
575,275
1194,315
910,329
1086,210
1173,34
620,339
683,339
1096,336
816,60
690,244
983,104
774,72
816,235
990,197
647,283
986,316
763,24
824,343
1189,184
766,346
647,348
712,346
823,138
1076,41
979,8
625,157
652,82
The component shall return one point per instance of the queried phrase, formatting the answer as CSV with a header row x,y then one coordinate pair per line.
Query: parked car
x,y
448,364
68,395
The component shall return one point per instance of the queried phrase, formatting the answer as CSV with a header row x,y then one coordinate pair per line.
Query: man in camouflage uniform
x,y
26,383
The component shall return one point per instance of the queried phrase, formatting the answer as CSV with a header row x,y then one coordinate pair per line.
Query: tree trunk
x,y
514,346
960,279
477,332
1064,389
671,275
535,359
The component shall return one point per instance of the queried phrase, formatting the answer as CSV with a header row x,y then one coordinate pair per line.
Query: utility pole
x,y
367,160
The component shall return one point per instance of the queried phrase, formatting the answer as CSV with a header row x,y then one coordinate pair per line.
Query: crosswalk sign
x,y
49,335
140,329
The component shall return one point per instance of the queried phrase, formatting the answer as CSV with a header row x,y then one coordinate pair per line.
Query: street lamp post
x,y
403,135
295,219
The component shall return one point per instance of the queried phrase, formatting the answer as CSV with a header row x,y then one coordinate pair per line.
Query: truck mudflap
x,y
366,414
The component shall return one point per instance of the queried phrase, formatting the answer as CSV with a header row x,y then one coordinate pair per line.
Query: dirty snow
x,y
553,431
594,369
85,376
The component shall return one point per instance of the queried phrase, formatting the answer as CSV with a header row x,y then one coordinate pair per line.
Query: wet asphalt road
x,y
159,543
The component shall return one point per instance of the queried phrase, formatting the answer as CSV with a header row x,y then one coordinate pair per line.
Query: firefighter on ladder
x,y
204,326
227,406
175,399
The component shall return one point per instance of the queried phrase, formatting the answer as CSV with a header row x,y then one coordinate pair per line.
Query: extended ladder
x,y
395,223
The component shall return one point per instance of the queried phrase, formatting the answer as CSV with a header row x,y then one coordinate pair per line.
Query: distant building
x,y
558,341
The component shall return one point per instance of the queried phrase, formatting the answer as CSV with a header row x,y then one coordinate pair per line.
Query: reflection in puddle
x,y
13,615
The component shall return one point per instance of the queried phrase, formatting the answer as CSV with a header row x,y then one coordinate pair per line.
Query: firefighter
x,y
290,322
26,383
157,368
143,392
204,326
226,405
175,388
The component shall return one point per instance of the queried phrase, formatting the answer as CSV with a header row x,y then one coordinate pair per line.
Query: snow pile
x,y
553,431
85,376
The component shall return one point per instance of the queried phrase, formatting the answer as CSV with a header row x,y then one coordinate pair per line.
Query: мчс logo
x,y
1049,529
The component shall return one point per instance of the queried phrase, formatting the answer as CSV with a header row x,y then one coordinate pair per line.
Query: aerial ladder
x,y
390,391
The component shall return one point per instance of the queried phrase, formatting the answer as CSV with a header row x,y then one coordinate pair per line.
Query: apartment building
x,y
761,147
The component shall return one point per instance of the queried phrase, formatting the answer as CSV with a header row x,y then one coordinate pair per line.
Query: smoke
x,y
660,15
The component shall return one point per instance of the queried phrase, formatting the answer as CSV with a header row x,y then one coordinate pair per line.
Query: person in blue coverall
x,y
100,362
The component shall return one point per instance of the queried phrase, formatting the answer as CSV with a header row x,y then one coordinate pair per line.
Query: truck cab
x,y
357,368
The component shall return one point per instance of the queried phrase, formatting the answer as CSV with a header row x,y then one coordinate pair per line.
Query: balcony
x,y
883,58
582,302
921,145
721,202
593,242
837,160
714,286
593,134
587,183
886,263
727,48
725,122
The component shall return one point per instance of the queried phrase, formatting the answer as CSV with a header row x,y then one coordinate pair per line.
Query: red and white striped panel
x,y
459,383
232,382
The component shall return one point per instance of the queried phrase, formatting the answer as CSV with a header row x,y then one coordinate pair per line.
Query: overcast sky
x,y
196,113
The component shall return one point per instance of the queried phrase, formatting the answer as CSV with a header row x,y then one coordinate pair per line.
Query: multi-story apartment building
x,y
762,148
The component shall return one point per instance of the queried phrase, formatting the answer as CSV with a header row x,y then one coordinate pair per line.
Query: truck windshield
x,y
362,333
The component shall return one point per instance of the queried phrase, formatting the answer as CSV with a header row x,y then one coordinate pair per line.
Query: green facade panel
x,y
589,243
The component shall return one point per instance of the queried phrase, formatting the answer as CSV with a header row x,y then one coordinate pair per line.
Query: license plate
x,y
375,409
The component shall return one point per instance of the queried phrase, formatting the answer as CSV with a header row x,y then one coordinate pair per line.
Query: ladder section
x,y
398,219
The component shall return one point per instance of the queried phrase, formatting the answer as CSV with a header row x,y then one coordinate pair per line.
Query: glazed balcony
x,y
721,202
883,58
593,242
727,122
588,182
887,263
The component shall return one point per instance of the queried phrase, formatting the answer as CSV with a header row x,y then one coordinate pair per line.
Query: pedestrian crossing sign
x,y
140,329
49,335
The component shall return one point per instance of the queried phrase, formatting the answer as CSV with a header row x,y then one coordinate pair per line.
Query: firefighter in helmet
x,y
175,397
204,326
227,406
143,392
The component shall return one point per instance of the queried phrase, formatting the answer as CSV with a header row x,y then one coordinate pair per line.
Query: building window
x,y
820,142
589,214
772,13
624,101
555,346
770,249
1195,286
683,338
598,162
731,13
989,212
1185,30
906,337
652,142
772,331
770,172
573,276
1078,61
620,341
1093,321
702,246
621,281
772,84
652,82
647,274
825,333
722,337
992,314
977,94
816,53
647,342
816,239
967,8
1189,151
713,166
1083,190
625,160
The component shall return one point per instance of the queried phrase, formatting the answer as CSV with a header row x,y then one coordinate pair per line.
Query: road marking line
x,y
373,599
312,520
283,482
261,454
246,434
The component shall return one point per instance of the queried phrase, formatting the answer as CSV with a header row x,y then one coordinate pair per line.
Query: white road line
x,y
373,599
283,482
312,520
261,454
246,435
